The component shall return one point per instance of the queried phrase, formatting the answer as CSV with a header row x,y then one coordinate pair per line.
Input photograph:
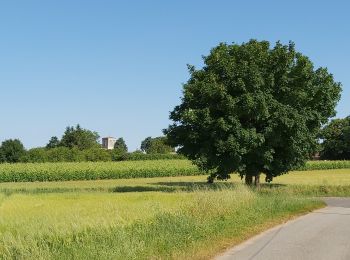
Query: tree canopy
x,y
11,151
80,138
156,145
120,146
336,140
145,144
53,142
252,109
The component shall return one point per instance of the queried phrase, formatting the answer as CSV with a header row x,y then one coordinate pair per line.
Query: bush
x,y
96,155
36,155
64,154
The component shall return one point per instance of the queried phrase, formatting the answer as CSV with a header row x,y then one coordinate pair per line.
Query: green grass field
x,y
151,218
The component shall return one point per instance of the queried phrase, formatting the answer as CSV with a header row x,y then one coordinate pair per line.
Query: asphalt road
x,y
323,235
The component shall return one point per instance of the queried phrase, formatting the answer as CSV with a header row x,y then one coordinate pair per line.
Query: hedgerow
x,y
64,154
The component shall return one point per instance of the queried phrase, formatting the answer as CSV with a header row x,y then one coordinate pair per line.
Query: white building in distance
x,y
108,142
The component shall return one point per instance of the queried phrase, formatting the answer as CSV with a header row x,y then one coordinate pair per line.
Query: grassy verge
x,y
179,225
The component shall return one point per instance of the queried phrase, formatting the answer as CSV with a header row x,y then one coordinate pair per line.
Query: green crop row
x,y
325,165
66,171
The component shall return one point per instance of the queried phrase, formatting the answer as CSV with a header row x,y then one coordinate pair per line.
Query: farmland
x,y
137,225
161,217
28,172
95,170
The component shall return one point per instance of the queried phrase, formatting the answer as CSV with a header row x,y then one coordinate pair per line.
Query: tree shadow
x,y
49,190
194,186
188,186
142,189
272,185
156,187
174,186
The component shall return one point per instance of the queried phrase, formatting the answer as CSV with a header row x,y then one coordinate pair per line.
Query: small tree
x,y
120,151
120,146
53,142
336,140
252,109
145,144
11,151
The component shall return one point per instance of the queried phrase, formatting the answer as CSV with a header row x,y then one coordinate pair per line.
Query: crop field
x,y
28,172
159,218
95,170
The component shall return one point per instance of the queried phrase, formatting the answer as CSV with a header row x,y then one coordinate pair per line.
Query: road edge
x,y
235,248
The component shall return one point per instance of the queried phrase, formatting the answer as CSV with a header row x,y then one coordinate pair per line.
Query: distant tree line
x,y
79,144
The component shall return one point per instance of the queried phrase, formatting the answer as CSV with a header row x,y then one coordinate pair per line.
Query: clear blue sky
x,y
117,67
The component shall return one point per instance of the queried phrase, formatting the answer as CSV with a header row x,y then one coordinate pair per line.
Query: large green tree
x,y
80,138
252,109
11,151
336,140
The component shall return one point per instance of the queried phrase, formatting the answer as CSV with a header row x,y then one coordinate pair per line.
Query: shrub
x,y
96,155
36,155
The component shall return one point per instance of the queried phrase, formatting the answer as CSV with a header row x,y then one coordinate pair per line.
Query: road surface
x,y
323,235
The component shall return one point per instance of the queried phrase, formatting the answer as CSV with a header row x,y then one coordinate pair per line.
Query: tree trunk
x,y
249,179
257,180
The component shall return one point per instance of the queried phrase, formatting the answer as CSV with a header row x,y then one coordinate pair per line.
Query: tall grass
x,y
148,225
